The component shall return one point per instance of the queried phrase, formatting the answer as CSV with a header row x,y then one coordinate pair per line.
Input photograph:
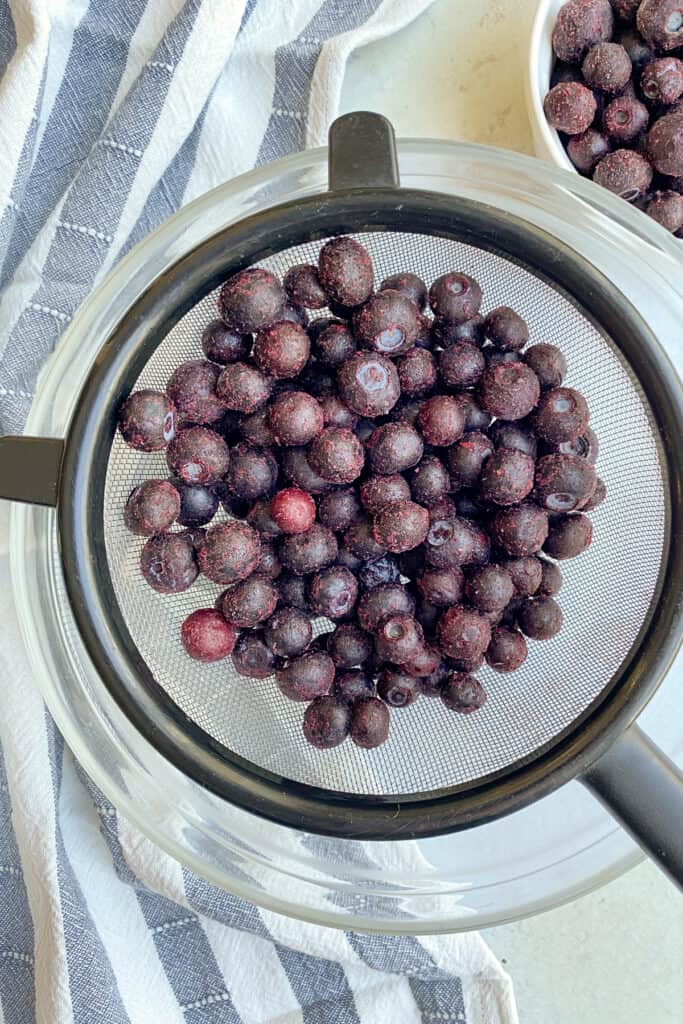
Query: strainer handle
x,y
643,789
30,468
362,152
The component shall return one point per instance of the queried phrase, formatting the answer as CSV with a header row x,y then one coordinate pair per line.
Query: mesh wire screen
x,y
605,597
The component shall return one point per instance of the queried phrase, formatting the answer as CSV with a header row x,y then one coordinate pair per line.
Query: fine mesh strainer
x,y
556,718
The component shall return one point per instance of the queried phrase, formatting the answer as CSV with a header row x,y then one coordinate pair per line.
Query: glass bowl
x,y
550,852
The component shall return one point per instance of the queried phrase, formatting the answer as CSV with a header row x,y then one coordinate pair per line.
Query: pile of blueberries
x,y
400,473
617,99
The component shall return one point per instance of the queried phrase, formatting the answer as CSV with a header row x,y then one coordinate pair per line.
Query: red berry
x,y
293,510
207,636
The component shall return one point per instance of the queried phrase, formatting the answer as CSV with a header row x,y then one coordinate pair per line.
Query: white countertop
x,y
615,956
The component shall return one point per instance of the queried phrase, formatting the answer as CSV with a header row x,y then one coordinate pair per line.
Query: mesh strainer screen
x,y
605,597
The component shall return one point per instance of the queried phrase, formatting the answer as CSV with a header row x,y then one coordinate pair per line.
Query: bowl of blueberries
x,y
605,89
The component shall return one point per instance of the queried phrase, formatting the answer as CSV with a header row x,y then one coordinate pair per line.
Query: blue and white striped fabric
x,y
112,115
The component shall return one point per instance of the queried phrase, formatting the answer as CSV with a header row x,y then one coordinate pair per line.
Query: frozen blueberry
x,y
563,482
326,722
293,510
259,517
268,563
562,415
369,384
229,553
397,689
352,684
222,344
432,685
251,300
441,587
570,107
198,455
388,322
303,286
506,329
467,504
255,429
526,574
293,591
336,414
378,491
548,363
333,592
398,638
349,646
662,80
168,563
507,651
252,658
551,579
370,721
667,209
375,574
461,365
569,537
152,508
507,477
294,314
408,284
466,458
335,344
282,349
660,23
425,663
417,372
297,469
581,24
476,418
339,509
540,618
206,636
198,504
462,692
441,420
455,297
295,418
309,552
496,356
315,379
394,447
624,172
243,388
463,633
509,391
489,588
345,271
518,436
401,526
446,333
624,119
252,473
521,530
665,143
597,497
192,389
307,677
607,66
288,632
382,601
250,602
587,150
147,421
337,455
456,542
430,482
359,540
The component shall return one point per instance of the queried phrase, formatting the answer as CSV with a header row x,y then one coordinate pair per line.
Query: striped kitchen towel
x,y
113,115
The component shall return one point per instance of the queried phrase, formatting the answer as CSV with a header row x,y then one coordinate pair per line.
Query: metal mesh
x,y
605,597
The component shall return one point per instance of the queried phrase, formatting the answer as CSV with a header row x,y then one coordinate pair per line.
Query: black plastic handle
x,y
30,468
643,789
362,152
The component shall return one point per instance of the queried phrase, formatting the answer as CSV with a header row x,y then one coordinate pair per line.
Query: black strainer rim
x,y
98,616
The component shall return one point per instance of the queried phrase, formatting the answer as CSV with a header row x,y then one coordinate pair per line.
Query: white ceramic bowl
x,y
547,142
